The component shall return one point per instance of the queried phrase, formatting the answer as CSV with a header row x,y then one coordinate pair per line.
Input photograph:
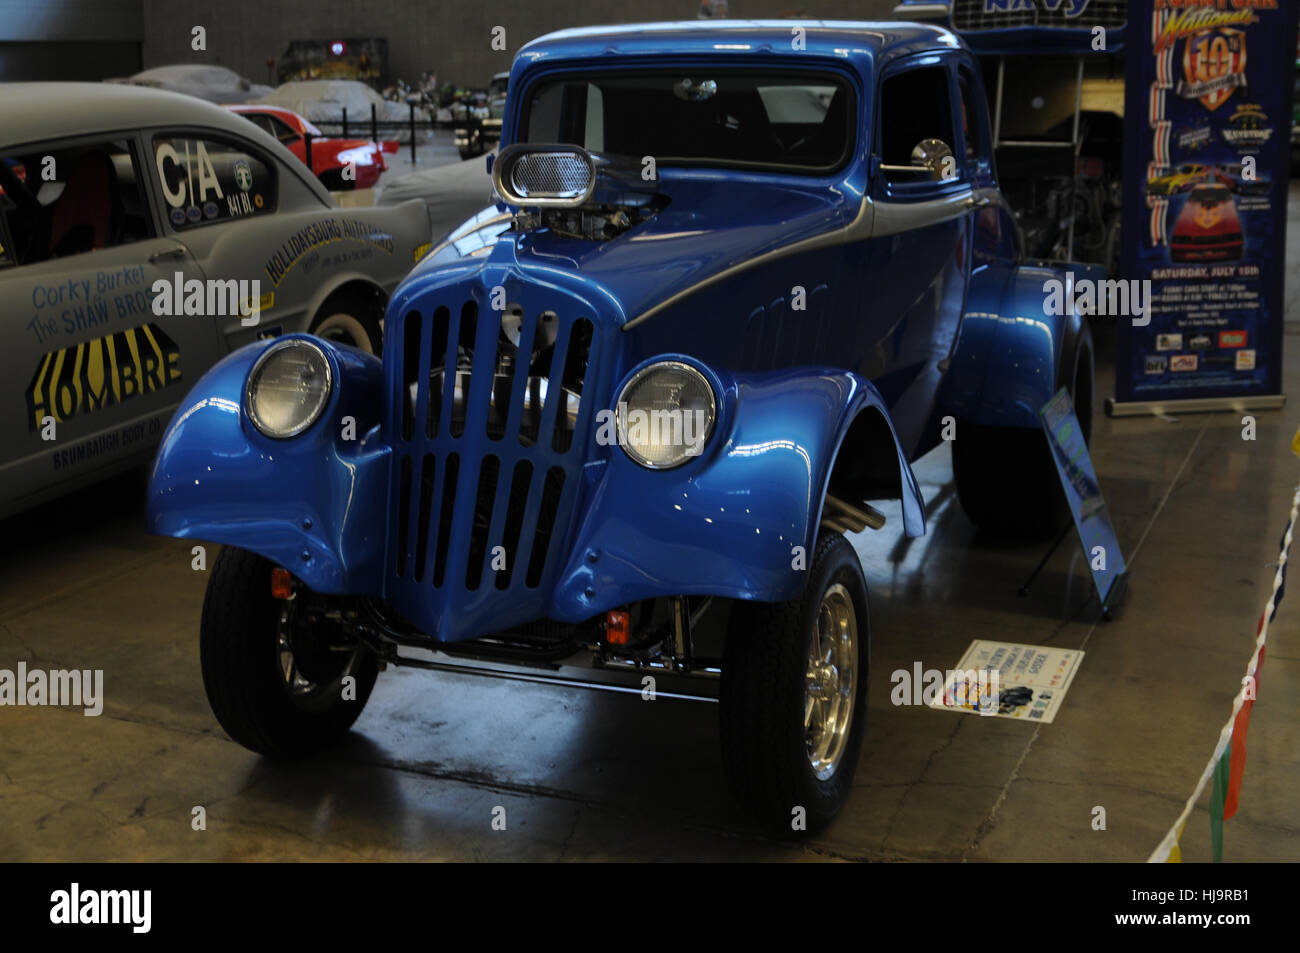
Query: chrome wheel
x,y
311,669
830,684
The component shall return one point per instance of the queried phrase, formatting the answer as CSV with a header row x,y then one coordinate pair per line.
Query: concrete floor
x,y
586,776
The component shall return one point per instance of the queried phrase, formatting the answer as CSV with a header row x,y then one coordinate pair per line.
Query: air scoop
x,y
604,194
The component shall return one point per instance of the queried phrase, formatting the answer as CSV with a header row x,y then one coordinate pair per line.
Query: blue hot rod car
x,y
739,275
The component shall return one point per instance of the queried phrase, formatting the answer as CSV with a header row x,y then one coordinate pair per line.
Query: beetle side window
x,y
57,201
915,111
205,180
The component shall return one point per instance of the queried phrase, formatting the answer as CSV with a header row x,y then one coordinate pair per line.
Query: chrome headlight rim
x,y
254,374
503,168
658,364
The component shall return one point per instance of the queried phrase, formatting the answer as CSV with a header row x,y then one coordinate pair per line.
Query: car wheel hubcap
x,y
311,672
830,684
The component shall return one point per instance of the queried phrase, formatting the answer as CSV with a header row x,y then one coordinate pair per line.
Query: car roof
x,y
859,43
30,112
284,112
35,112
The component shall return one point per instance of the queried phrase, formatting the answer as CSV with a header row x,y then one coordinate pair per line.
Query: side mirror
x,y
931,158
936,157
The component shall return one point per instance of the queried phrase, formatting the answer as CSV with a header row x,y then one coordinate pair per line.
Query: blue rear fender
x,y
1007,363
728,522
315,503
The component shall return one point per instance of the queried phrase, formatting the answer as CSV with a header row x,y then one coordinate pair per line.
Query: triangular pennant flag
x,y
1216,805
1237,748
1236,754
1176,852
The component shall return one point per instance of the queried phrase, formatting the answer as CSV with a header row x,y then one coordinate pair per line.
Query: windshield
x,y
787,121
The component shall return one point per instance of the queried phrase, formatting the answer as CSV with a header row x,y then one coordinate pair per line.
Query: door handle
x,y
177,252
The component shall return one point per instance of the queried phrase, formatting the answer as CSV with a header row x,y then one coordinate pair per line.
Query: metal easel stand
x,y
1060,538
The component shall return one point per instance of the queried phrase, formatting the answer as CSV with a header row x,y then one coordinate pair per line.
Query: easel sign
x,y
1083,493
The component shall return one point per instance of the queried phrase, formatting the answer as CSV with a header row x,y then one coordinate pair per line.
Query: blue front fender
x,y
315,503
727,523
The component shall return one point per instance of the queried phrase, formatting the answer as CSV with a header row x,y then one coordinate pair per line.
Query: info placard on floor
x,y
1029,682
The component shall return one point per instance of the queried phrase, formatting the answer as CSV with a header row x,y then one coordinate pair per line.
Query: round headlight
x,y
288,388
665,414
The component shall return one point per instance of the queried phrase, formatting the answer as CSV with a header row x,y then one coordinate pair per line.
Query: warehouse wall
x,y
452,38
70,39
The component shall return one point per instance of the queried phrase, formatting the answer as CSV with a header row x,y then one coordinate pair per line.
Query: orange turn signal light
x,y
618,627
281,584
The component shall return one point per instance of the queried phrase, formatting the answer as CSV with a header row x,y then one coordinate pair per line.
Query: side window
x,y
65,200
205,180
260,121
972,128
280,129
915,112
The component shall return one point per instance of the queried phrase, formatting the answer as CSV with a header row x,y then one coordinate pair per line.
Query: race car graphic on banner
x,y
1206,117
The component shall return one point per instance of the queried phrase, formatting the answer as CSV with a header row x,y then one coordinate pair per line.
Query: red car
x,y
329,156
1208,228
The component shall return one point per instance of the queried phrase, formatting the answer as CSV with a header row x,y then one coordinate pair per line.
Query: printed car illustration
x,y
330,156
1208,228
143,236
632,415
1233,175
1183,179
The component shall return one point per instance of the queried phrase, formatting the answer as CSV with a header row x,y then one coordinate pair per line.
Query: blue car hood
x,y
710,224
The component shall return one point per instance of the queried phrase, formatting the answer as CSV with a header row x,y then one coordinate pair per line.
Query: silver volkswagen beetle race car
x,y
143,236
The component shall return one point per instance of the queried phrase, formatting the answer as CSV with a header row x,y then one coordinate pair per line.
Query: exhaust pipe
x,y
844,517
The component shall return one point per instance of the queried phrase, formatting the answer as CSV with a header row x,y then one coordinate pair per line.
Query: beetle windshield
x,y
783,121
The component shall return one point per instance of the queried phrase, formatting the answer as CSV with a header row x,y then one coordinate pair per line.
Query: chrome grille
x,y
555,175
969,16
487,418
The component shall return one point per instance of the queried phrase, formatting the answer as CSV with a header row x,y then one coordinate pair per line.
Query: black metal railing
x,y
347,127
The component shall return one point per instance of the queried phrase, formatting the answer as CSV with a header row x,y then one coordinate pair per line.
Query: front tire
x,y
794,694
349,318
275,683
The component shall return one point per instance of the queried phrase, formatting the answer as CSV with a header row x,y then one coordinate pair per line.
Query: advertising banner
x,y
1206,142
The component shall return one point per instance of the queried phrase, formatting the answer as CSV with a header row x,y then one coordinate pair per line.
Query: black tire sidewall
x,y
762,697
238,658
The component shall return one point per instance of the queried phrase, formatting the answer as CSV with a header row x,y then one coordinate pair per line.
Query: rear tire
x,y
791,727
1006,480
242,657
